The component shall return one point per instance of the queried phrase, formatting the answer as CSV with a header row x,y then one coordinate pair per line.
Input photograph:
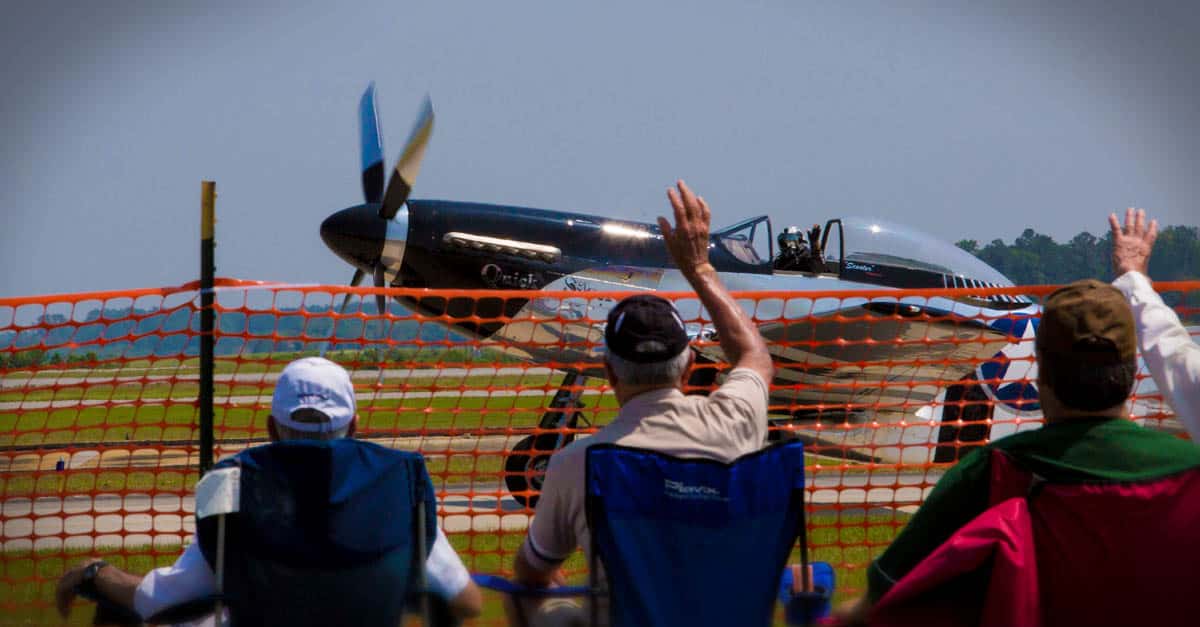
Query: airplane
x,y
829,371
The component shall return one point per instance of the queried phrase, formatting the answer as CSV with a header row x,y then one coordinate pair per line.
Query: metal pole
x,y
208,219
422,585
220,572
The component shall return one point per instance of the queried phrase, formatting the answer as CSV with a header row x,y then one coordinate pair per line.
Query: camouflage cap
x,y
1087,322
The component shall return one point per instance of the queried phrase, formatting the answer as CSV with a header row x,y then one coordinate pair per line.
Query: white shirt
x,y
190,577
1171,355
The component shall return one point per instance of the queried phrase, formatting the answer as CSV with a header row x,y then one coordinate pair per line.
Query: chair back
x,y
692,541
1136,539
1082,553
325,533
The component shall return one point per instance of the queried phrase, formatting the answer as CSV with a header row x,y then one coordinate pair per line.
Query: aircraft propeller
x,y
354,281
399,186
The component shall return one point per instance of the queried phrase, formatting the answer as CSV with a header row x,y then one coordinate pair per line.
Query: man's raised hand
x,y
1133,242
687,241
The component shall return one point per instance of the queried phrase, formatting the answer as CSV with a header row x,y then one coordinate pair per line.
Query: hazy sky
x,y
964,122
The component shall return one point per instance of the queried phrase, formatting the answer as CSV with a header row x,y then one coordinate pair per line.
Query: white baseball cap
x,y
314,383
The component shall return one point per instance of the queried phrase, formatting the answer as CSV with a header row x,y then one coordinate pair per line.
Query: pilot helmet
x,y
791,237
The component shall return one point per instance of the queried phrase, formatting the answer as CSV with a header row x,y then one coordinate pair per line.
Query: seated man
x,y
647,363
314,399
793,252
1086,353
1172,356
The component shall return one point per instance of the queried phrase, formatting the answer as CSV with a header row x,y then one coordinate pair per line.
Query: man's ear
x,y
272,430
687,372
608,372
1037,360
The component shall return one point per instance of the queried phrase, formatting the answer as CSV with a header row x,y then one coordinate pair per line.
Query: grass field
x,y
161,420
136,410
27,591
259,363
138,387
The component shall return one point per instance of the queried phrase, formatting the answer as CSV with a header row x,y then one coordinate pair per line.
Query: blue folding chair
x,y
695,542
315,533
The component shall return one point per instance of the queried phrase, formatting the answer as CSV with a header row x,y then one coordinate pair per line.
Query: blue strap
x,y
512,588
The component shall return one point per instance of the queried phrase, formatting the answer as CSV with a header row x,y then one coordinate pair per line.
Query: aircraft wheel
x,y
526,465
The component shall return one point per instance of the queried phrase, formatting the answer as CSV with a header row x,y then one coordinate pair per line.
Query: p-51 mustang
x,y
835,357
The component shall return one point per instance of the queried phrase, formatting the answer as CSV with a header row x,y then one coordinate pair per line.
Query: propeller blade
x,y
409,164
354,281
372,146
380,281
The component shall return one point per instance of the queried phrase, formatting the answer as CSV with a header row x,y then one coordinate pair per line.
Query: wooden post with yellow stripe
x,y
208,269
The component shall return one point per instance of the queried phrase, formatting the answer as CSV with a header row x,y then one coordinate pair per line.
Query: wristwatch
x,y
87,585
108,612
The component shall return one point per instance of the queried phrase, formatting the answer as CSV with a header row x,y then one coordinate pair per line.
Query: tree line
x,y
1036,259
37,357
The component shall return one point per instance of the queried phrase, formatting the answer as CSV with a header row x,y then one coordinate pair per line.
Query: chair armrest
x,y
512,588
804,608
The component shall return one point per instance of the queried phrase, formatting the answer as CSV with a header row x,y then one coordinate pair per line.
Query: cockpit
x,y
857,249
749,243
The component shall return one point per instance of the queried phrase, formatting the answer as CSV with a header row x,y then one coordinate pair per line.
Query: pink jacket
x,y
1102,553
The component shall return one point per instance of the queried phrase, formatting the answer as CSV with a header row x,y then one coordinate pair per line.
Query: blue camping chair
x,y
696,542
314,533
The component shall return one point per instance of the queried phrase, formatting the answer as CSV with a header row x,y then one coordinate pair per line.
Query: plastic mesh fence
x,y
98,404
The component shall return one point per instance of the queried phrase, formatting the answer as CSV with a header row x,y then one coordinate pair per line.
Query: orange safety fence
x,y
99,441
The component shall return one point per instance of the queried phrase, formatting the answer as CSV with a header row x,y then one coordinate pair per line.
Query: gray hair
x,y
308,416
653,373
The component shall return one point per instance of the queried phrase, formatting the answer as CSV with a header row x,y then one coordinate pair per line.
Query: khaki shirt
x,y
725,425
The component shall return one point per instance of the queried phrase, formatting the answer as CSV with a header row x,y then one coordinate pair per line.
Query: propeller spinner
x,y
371,236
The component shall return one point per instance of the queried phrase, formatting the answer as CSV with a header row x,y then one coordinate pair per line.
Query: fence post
x,y
208,195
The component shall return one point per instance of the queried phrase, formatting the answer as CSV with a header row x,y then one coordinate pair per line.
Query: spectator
x,y
647,363
1171,354
314,399
1086,352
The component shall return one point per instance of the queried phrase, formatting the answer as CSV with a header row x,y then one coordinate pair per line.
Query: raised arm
x,y
1171,355
688,244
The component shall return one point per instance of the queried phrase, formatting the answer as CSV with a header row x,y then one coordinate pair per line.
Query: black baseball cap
x,y
645,329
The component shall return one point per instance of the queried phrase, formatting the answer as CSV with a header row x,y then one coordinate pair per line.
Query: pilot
x,y
793,252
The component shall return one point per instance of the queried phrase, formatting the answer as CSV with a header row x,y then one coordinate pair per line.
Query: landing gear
x,y
703,377
525,465
966,416
802,420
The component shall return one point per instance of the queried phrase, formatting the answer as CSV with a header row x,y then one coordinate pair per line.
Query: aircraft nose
x,y
356,235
